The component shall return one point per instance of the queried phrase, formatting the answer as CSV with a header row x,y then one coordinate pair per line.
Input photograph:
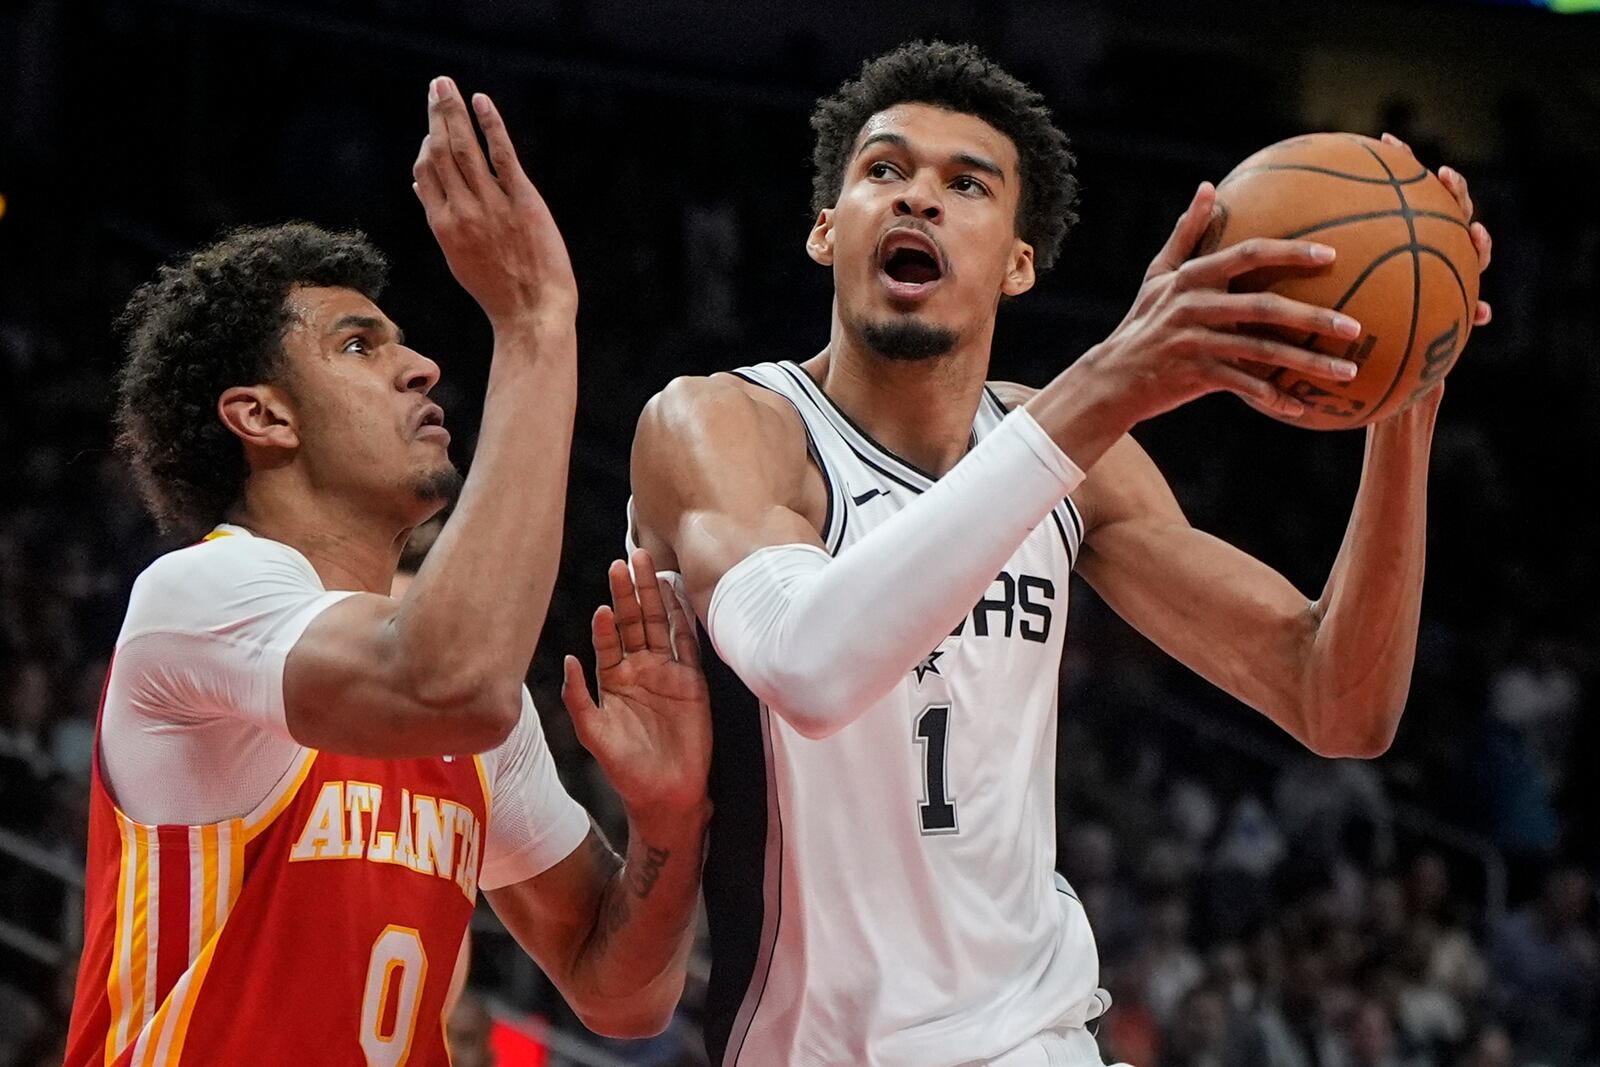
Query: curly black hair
x,y
213,320
957,77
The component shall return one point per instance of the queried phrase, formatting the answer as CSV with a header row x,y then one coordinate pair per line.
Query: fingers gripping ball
x,y
1406,267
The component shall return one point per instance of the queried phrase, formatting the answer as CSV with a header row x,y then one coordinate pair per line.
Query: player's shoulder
x,y
1011,394
721,408
186,586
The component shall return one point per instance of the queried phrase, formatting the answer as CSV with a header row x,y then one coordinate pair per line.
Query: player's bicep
x,y
348,687
716,476
1224,614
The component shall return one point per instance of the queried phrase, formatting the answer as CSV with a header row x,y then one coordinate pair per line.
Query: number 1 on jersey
x,y
937,811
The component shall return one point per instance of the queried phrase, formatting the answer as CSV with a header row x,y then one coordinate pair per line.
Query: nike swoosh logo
x,y
868,495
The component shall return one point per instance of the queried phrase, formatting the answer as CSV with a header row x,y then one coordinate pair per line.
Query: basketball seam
x,y
1406,212
1370,216
1454,273
1391,180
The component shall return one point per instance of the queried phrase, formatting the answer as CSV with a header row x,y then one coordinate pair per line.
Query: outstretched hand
x,y
651,730
496,232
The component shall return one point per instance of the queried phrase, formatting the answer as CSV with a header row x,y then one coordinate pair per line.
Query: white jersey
x,y
887,895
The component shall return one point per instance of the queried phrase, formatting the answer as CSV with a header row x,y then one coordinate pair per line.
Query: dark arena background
x,y
1254,906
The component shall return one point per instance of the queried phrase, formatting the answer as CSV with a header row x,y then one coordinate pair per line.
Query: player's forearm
x,y
1084,409
468,624
1360,662
630,971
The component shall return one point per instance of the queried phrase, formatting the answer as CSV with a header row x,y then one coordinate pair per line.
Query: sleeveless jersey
x,y
321,928
887,895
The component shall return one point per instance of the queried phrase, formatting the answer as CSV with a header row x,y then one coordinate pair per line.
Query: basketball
x,y
1406,268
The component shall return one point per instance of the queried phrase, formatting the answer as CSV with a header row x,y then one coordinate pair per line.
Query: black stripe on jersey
x,y
1077,520
735,875
1072,509
830,537
1066,542
834,411
999,407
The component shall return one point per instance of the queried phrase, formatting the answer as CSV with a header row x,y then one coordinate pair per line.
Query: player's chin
x,y
437,484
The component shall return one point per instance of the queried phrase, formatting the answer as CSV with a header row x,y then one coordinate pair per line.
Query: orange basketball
x,y
1406,268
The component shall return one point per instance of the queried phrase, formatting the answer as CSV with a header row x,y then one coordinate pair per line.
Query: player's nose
x,y
919,201
418,373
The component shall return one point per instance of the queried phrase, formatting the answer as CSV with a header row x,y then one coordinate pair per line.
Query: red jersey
x,y
322,928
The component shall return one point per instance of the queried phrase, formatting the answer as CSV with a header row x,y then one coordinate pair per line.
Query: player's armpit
x,y
1226,615
720,471
350,687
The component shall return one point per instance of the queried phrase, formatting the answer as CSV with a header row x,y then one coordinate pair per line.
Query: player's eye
x,y
881,170
966,183
357,345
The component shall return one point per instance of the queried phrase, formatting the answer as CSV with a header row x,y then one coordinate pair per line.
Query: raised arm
x,y
614,935
440,669
1333,672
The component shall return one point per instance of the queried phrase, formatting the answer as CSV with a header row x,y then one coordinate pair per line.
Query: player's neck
x,y
921,410
346,545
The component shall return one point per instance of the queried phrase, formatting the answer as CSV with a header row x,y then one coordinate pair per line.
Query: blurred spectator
x,y
1546,967
1237,927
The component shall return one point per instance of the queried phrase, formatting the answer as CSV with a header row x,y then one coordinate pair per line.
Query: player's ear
x,y
260,416
1019,274
819,243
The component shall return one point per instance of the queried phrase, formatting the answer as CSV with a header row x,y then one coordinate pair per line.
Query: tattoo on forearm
x,y
617,907
649,873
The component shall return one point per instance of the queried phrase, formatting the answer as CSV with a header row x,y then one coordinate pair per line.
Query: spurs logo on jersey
x,y
1015,603
908,913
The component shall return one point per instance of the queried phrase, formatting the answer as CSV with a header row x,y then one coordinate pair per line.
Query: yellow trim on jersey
x,y
176,1012
214,534
209,867
233,841
114,980
136,936
216,878
483,783
213,848
280,797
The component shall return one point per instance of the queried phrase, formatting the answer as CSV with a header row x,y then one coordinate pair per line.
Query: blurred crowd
x,y
1254,907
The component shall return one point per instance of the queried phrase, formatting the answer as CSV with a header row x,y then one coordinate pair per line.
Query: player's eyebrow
x,y
988,166
965,159
367,322
898,140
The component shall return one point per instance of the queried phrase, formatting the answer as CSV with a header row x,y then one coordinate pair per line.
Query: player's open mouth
x,y
430,426
910,264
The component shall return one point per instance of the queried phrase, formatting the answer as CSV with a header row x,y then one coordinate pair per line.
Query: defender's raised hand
x,y
496,232
651,730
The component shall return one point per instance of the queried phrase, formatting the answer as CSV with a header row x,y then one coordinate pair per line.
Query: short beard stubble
x,y
908,340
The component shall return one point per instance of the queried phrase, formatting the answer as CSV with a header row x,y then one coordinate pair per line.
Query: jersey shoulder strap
x,y
1065,517
779,378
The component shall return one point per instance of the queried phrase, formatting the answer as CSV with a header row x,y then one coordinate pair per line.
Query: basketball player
x,y
879,545
289,823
